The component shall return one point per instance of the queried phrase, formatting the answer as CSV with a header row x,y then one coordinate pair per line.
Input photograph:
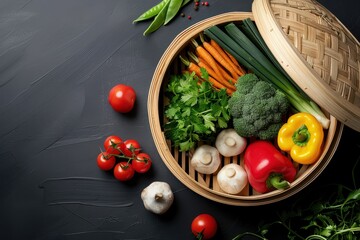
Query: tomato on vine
x,y
141,163
123,171
204,226
112,144
105,161
131,147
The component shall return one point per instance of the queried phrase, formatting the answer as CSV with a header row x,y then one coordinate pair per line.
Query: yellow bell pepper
x,y
302,136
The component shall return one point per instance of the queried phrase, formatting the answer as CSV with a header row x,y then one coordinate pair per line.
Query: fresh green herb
x,y
256,60
334,217
195,112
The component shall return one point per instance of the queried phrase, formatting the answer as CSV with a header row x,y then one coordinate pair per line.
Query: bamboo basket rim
x,y
161,143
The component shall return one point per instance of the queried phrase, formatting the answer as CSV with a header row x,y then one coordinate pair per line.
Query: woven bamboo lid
x,y
317,51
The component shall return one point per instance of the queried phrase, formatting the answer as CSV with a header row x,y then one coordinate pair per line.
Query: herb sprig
x,y
195,112
334,217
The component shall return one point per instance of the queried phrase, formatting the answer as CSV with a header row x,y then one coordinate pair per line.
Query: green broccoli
x,y
257,108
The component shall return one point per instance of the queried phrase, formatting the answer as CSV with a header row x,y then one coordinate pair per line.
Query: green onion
x,y
253,54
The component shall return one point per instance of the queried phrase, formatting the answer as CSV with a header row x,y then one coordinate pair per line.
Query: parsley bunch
x,y
195,111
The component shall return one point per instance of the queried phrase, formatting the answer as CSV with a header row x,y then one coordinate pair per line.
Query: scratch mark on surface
x,y
84,191
87,232
79,216
25,4
108,57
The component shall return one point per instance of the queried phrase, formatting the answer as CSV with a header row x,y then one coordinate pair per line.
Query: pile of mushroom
x,y
157,197
232,178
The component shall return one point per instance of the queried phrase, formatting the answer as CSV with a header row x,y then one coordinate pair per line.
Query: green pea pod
x,y
185,2
152,12
158,20
173,9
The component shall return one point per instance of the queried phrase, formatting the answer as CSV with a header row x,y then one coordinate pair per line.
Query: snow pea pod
x,y
152,12
173,9
158,20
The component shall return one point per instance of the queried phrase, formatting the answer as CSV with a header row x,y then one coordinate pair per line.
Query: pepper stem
x,y
301,136
277,181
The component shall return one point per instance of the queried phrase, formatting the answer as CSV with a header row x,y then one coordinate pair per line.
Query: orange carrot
x,y
228,57
234,61
228,80
192,67
201,63
204,54
227,75
219,58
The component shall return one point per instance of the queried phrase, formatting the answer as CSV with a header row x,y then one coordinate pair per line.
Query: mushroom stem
x,y
158,196
206,159
230,172
229,141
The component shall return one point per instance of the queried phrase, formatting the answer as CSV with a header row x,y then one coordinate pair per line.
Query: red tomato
x,y
111,144
141,163
123,171
122,98
204,226
131,147
105,161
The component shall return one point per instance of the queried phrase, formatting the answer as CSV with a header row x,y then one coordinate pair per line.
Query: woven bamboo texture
x,y
317,50
179,162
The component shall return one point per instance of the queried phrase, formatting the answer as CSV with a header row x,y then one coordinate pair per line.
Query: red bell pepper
x,y
267,167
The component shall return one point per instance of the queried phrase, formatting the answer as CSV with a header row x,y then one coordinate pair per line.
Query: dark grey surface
x,y
58,61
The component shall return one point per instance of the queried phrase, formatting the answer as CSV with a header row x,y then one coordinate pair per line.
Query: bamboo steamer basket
x,y
344,92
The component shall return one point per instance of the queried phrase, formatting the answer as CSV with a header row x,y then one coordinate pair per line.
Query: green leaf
x,y
186,112
189,99
222,123
199,128
208,121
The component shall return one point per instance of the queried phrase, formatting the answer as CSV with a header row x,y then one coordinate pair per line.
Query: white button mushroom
x,y
157,197
232,178
206,159
229,143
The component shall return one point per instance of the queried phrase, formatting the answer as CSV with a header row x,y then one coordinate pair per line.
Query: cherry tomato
x,y
204,226
111,144
131,147
122,98
105,161
141,163
123,171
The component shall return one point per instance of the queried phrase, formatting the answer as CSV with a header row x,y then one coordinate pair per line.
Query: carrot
x,y
229,81
219,58
204,54
192,67
227,76
228,57
234,61
203,64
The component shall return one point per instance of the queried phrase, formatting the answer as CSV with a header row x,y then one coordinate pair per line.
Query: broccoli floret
x,y
257,108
